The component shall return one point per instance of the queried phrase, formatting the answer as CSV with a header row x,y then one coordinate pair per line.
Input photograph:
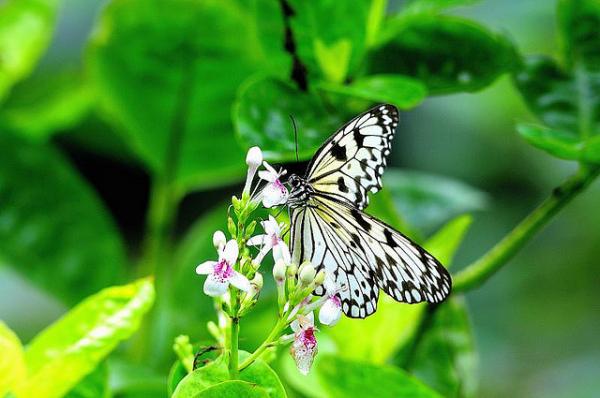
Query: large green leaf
x,y
447,53
62,354
262,117
370,338
565,97
345,378
445,357
578,22
25,30
402,91
167,71
421,6
558,143
259,373
12,361
233,389
46,104
53,229
330,36
428,201
550,93
94,385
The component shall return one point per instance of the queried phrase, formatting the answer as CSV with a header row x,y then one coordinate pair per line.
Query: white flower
x,y
221,273
304,348
271,239
254,159
219,240
331,310
274,193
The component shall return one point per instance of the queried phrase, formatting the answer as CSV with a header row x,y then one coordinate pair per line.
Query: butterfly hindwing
x,y
365,255
351,162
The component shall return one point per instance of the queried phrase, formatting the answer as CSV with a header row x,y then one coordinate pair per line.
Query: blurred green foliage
x,y
180,89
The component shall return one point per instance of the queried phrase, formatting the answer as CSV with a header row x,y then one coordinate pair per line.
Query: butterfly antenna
x,y
295,136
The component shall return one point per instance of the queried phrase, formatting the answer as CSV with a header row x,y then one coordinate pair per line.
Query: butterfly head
x,y
299,191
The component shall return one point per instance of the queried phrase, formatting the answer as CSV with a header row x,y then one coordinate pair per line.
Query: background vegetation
x,y
123,128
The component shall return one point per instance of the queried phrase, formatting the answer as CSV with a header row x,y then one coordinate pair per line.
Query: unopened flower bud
x,y
257,282
307,274
320,278
254,158
219,240
292,270
231,227
279,270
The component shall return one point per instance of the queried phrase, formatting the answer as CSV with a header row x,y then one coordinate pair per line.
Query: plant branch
x,y
234,353
479,271
274,335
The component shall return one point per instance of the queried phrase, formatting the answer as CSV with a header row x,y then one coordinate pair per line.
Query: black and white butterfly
x,y
329,228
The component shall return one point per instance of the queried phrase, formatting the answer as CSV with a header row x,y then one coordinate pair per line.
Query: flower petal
x,y
272,195
240,281
281,251
258,240
231,251
206,267
271,226
214,286
267,176
330,312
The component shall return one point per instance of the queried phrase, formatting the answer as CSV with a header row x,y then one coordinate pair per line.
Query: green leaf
x,y
262,117
129,380
427,201
445,357
259,373
330,51
550,93
53,228
25,31
46,104
578,22
422,6
168,73
446,241
370,338
233,389
591,151
558,143
12,361
62,354
448,54
176,374
402,91
94,385
345,378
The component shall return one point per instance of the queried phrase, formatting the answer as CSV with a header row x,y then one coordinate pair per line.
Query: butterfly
x,y
329,228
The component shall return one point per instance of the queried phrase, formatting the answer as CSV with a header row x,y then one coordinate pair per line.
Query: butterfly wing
x,y
364,255
350,163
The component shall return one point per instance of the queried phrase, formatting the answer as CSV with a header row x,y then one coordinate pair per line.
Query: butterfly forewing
x,y
351,162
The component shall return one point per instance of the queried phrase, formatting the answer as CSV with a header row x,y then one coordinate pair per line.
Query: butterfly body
x,y
329,228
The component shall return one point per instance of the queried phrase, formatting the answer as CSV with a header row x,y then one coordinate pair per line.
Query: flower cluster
x,y
235,282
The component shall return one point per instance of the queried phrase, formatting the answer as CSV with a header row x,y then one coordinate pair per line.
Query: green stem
x,y
234,353
271,338
479,271
156,259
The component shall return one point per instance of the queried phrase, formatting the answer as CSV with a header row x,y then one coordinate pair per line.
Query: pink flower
x,y
331,310
221,273
274,193
271,239
304,347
